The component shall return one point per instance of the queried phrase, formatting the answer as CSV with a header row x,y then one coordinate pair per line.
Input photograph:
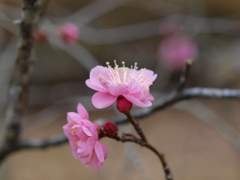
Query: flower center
x,y
119,75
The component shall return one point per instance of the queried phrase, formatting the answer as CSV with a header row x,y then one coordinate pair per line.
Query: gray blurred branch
x,y
78,52
149,29
95,10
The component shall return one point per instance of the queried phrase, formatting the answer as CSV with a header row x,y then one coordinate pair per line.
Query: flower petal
x,y
95,162
91,128
132,86
94,82
116,89
102,100
87,131
96,87
83,151
73,117
99,151
142,103
90,143
82,111
105,151
150,97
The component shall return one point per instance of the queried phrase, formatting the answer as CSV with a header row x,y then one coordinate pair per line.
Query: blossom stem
x,y
127,137
144,142
136,125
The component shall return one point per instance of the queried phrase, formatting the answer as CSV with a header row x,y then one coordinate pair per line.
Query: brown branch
x,y
144,142
131,138
136,125
18,90
42,144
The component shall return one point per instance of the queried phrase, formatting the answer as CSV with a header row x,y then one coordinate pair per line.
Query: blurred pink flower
x,y
175,50
69,33
117,82
83,138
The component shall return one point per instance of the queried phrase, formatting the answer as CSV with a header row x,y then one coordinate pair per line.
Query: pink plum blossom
x,y
175,50
69,33
112,83
83,138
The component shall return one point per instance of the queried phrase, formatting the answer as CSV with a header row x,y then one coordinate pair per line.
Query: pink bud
x,y
110,128
123,105
39,36
69,33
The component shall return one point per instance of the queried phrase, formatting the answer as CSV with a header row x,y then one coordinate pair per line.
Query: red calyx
x,y
110,128
123,105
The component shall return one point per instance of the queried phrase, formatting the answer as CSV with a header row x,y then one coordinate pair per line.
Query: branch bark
x,y
18,90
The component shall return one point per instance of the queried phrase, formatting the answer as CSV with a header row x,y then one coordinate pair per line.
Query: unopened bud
x,y
110,128
69,33
39,36
123,105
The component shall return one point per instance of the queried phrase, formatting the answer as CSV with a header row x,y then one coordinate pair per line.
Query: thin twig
x,y
136,125
131,138
184,76
144,142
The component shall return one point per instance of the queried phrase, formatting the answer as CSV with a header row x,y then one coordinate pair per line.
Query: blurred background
x,y
201,138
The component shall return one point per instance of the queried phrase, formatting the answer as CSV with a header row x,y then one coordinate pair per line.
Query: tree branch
x,y
18,90
126,137
178,94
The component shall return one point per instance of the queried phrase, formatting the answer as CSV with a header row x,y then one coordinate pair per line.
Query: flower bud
x,y
110,128
69,33
123,105
39,36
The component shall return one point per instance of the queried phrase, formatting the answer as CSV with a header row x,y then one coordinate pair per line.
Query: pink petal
x,y
143,103
90,143
96,87
82,111
94,82
153,78
83,151
73,117
139,95
116,89
102,100
67,131
99,151
132,86
75,155
87,131
95,162
91,128
81,134
150,97
148,73
105,151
